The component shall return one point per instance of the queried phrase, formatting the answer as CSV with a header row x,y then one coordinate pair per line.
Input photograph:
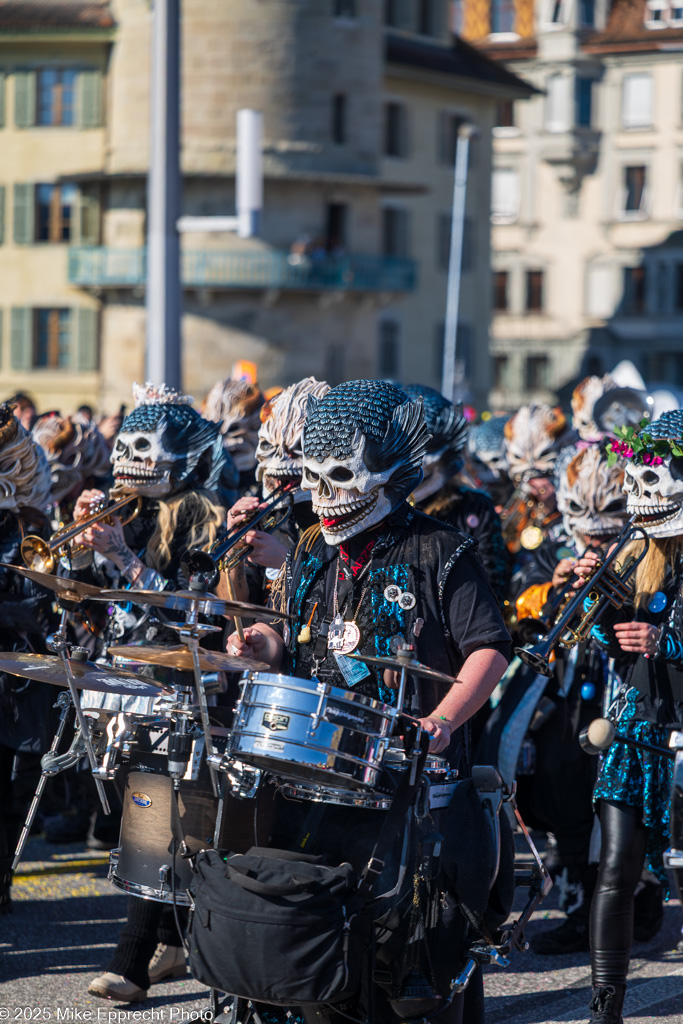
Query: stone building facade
x,y
347,279
587,196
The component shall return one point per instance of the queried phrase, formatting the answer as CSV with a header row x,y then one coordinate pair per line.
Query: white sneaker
x,y
167,962
115,986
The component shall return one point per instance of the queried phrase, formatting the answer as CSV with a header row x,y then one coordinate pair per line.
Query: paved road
x,y
65,925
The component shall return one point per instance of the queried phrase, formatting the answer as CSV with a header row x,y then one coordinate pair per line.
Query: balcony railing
x,y
92,267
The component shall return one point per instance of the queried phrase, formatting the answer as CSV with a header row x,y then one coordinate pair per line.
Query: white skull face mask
x,y
24,473
591,499
235,405
533,438
279,455
363,449
599,406
653,476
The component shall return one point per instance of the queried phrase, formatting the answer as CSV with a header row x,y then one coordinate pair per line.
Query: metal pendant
x,y
531,537
335,637
351,638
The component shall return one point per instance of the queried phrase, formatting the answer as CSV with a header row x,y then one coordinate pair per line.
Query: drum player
x,y
377,575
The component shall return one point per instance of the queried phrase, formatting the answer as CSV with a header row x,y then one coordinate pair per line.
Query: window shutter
x,y
21,342
2,99
86,340
88,223
90,86
636,109
505,193
2,214
2,336
25,98
24,210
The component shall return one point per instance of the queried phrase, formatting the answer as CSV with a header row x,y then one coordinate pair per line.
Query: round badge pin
x,y
472,521
657,603
407,601
392,592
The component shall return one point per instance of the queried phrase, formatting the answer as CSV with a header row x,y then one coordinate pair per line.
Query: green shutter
x,y
2,99
88,227
90,86
2,336
21,344
2,214
86,350
25,98
24,214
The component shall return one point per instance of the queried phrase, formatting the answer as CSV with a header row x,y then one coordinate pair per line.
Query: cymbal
x,y
184,600
179,657
87,675
413,667
69,590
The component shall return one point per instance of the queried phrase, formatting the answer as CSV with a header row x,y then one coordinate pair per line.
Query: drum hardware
x,y
42,555
600,734
204,567
607,587
64,703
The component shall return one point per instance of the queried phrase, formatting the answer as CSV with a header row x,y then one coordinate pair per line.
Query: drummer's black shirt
x,y
455,610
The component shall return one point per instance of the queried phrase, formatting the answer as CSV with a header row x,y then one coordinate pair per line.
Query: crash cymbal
x,y
87,675
180,658
414,668
184,600
69,590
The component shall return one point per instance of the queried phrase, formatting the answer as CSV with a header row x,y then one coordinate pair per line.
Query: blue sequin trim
x,y
640,779
308,568
389,618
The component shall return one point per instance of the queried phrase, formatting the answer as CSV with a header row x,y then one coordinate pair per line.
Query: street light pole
x,y
465,133
164,288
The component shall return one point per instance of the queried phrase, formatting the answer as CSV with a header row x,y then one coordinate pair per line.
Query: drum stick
x,y
231,596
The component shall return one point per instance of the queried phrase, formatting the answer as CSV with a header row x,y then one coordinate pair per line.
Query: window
x,y
428,15
636,102
55,212
634,190
536,372
55,96
502,17
587,13
388,362
448,126
558,103
395,232
339,119
534,291
600,288
583,101
443,240
337,217
656,13
679,287
505,114
51,344
557,12
500,290
505,194
676,14
395,129
397,13
634,291
501,372
344,9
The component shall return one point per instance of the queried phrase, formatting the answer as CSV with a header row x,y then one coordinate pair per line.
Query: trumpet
x,y
42,555
230,548
607,587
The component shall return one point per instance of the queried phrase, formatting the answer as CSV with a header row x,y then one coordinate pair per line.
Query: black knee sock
x,y
137,941
622,854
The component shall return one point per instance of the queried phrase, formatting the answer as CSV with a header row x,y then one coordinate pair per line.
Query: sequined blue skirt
x,y
640,779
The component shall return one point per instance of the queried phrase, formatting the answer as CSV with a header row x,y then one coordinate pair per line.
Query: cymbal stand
x,y
63,702
58,644
190,636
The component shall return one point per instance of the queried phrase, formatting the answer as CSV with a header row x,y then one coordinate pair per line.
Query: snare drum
x,y
303,730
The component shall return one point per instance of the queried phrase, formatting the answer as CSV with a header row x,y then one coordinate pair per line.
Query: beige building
x,y
360,102
587,195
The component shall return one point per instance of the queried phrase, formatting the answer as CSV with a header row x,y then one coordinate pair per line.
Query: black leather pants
x,y
622,855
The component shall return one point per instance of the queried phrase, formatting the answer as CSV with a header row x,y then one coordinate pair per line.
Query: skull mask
x,y
533,438
591,499
654,491
165,446
363,447
279,453
236,405
599,406
448,428
75,450
25,480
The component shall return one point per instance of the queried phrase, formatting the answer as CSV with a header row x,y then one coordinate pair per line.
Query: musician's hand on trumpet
x,y
267,549
105,537
563,571
637,637
584,567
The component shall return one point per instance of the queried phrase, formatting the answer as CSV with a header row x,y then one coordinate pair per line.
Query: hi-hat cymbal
x,y
69,590
185,600
413,667
181,658
87,675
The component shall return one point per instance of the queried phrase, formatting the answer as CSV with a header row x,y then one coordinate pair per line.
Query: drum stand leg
x,y
58,643
63,702
190,637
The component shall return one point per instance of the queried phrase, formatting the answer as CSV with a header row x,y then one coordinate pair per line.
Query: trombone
x,y
205,566
42,554
608,586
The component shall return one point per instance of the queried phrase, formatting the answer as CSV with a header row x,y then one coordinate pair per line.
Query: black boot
x,y
607,1004
5,885
572,935
648,911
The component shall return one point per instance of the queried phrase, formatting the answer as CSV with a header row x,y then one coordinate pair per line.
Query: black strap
x,y
395,816
176,827
320,646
